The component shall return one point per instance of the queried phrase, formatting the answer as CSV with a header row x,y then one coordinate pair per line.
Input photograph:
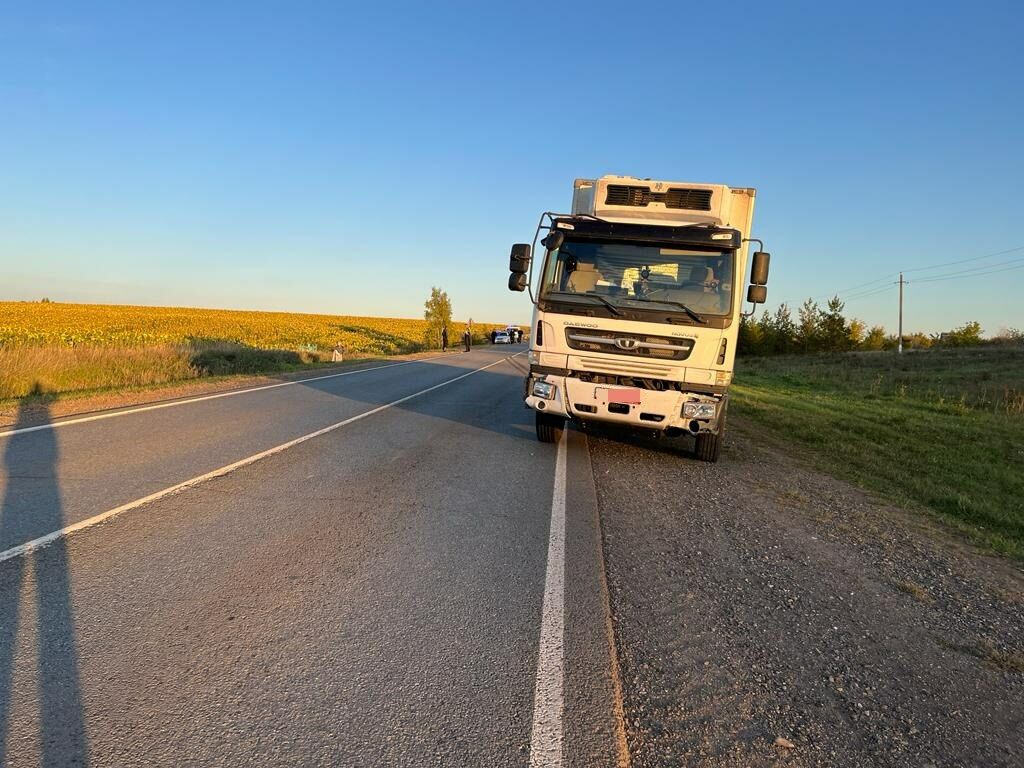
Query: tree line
x,y
817,328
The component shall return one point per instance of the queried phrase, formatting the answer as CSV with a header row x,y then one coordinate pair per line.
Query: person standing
x,y
466,339
444,338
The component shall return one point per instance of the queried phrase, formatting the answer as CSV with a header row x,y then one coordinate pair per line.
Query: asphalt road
x,y
377,594
384,567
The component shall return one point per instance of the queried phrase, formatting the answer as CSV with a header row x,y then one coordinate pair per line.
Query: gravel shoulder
x,y
768,614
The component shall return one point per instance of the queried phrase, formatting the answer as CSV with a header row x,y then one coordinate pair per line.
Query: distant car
x,y
502,338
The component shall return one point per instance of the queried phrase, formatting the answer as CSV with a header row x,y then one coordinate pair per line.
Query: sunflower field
x,y
54,347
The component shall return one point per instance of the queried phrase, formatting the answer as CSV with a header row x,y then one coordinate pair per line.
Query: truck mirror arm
x,y
550,216
753,306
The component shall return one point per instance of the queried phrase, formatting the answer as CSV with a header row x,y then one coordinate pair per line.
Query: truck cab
x,y
637,306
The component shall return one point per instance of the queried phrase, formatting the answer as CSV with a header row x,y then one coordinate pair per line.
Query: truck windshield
x,y
643,276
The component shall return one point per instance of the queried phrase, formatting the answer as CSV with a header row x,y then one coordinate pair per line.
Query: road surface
x,y
373,595
382,566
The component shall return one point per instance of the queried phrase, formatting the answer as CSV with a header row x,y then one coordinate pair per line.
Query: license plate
x,y
627,396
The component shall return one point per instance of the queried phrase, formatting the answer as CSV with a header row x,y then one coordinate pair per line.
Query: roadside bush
x,y
826,329
224,359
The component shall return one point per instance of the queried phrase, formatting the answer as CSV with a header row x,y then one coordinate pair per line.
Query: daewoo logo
x,y
625,343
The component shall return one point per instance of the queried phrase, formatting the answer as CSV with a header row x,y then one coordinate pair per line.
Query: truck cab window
x,y
637,276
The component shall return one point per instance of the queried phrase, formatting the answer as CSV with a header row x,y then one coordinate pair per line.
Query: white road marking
x,y
49,538
201,398
548,699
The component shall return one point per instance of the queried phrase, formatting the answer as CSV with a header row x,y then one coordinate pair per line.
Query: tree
x,y
749,341
438,314
875,339
808,330
967,335
917,340
855,333
785,330
768,337
835,336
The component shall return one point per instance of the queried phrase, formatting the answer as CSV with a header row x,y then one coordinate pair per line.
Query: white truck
x,y
638,306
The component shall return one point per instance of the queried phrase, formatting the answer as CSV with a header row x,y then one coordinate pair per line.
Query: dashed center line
x,y
199,399
49,538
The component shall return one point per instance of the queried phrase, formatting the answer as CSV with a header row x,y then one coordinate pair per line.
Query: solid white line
x,y
201,398
49,538
548,701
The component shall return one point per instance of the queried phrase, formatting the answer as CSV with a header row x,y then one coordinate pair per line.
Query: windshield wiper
x,y
693,315
602,299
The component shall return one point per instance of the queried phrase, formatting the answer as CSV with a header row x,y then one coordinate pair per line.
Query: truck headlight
x,y
543,389
699,410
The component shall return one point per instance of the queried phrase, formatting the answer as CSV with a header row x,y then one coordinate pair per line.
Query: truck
x,y
637,306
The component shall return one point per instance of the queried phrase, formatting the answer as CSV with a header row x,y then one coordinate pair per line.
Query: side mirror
x,y
757,294
759,268
517,281
519,259
554,240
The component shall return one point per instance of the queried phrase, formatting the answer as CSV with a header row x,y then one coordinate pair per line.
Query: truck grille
x,y
675,197
654,348
642,382
622,367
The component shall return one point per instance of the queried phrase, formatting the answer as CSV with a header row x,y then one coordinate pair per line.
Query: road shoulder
x,y
757,600
594,732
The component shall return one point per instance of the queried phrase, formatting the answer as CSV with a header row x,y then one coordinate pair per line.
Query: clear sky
x,y
333,157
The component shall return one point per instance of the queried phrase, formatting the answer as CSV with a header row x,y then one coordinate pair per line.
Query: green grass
x,y
939,429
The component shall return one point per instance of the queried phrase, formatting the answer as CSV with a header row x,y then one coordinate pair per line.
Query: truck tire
x,y
549,428
709,447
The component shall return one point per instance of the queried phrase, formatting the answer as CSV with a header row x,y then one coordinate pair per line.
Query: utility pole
x,y
899,347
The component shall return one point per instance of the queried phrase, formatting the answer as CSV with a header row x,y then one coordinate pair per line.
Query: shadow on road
x,y
476,410
31,507
681,446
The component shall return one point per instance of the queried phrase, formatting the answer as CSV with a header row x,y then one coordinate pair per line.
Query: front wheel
x,y
549,428
709,447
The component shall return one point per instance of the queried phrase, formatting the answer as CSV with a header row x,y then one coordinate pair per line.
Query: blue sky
x,y
323,158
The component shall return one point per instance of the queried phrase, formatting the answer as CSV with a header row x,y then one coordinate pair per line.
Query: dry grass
x,y
61,348
52,369
1009,661
916,591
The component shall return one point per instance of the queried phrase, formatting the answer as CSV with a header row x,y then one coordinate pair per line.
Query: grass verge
x,y
942,430
54,370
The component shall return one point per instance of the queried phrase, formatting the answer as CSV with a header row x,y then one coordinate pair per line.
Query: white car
x,y
502,338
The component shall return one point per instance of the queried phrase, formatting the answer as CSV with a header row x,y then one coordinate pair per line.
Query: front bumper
x,y
628,406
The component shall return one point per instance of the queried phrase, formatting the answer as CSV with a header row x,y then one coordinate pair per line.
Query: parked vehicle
x,y
638,305
501,337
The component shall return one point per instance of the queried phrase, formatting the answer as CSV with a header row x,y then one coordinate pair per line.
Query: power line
x,y
972,270
858,290
884,289
971,274
862,285
964,261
